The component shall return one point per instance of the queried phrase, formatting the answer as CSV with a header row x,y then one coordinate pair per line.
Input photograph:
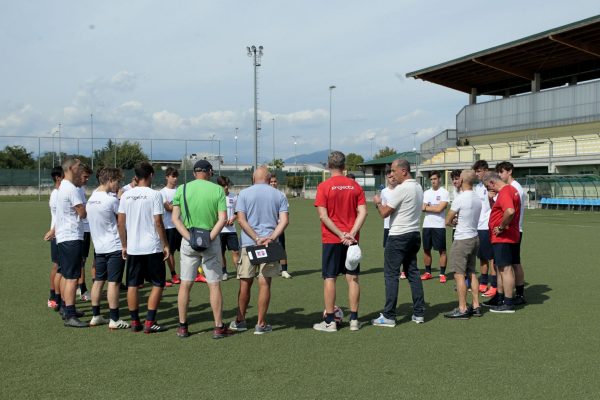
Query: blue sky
x,y
179,70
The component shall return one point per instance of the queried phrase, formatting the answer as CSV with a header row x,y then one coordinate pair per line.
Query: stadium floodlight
x,y
256,53
330,97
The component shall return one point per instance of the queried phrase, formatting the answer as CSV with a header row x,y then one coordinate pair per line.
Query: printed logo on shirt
x,y
139,197
438,198
342,188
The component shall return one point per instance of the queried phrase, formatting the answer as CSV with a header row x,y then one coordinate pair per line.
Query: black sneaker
x,y
519,300
475,312
504,309
74,322
493,302
153,327
457,314
183,332
136,326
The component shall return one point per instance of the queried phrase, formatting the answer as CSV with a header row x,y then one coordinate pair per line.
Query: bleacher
x,y
570,203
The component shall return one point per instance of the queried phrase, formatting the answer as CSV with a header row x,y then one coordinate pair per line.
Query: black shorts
x,y
334,261
434,238
150,267
281,240
110,266
85,245
485,251
174,239
69,259
505,254
386,233
229,241
53,251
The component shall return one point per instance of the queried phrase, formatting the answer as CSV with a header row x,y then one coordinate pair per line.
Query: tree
x,y
352,161
16,157
127,154
386,151
277,164
53,159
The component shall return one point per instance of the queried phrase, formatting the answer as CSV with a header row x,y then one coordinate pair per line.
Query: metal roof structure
x,y
563,55
409,156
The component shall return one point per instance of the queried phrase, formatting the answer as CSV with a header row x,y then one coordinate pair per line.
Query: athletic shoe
x,y
200,278
86,296
493,302
504,309
383,321
286,275
225,276
52,304
168,284
223,331
325,327
354,325
262,329
78,314
182,332
238,326
98,320
153,327
122,286
417,320
141,286
136,326
442,278
402,275
74,322
175,279
457,314
483,288
120,324
475,312
491,292
426,276
519,300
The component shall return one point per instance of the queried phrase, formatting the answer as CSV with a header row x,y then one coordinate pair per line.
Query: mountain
x,y
312,158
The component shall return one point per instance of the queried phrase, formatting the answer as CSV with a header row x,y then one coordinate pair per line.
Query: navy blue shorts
x,y
85,245
53,251
386,233
150,267
334,261
229,241
434,238
485,251
110,266
519,248
506,254
281,240
174,239
69,259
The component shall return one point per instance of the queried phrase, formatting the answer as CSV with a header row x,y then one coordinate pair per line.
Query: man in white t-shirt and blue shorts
x,y
173,236
435,201
228,235
53,301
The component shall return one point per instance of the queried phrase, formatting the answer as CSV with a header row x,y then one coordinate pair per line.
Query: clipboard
x,y
263,254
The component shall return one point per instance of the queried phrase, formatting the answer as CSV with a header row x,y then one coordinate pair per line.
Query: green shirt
x,y
204,200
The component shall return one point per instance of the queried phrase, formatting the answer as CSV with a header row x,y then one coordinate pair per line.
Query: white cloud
x,y
167,120
303,117
410,116
124,81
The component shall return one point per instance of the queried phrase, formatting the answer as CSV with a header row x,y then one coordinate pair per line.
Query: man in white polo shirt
x,y
463,252
435,201
102,210
403,244
69,236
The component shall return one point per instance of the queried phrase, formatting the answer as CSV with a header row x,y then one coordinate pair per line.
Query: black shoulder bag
x,y
199,238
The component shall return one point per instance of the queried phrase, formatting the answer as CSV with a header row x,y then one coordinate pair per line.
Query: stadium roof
x,y
409,156
560,55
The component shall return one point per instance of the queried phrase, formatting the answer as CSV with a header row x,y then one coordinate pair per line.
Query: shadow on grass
x,y
536,294
304,272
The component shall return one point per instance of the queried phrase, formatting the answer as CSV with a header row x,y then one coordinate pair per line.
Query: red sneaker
x,y
442,278
200,278
175,279
168,283
136,326
402,275
491,292
426,276
483,288
52,304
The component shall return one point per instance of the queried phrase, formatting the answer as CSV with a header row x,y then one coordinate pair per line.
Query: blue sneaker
x,y
261,330
383,321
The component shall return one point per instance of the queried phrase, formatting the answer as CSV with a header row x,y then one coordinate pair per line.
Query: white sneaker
x,y
418,320
225,276
383,321
98,320
325,327
286,275
354,325
120,324
86,296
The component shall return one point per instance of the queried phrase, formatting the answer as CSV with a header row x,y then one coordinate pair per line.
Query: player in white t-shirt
x,y
82,291
173,236
57,177
385,195
435,201
144,245
485,253
68,229
283,263
228,235
127,187
102,209
505,170
464,215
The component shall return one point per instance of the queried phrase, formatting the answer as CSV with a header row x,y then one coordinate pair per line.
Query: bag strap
x,y
187,210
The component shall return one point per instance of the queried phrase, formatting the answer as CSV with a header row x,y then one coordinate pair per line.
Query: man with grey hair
x,y
463,253
342,209
404,206
504,235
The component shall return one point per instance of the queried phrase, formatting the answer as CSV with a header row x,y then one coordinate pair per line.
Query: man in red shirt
x,y
342,209
505,236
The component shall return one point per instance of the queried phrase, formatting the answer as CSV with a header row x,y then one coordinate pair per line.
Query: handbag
x,y
199,238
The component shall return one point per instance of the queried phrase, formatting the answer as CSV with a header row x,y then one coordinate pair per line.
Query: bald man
x,y
262,213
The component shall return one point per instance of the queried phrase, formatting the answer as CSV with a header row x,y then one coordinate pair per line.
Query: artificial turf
x,y
547,349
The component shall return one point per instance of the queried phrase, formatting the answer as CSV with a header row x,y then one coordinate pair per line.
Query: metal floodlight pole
x,y
236,149
92,133
295,155
40,169
330,101
256,53
59,147
273,119
219,155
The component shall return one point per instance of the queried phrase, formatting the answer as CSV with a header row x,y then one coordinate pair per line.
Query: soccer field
x,y
547,349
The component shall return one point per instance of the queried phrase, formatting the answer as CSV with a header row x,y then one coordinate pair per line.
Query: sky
x,y
179,70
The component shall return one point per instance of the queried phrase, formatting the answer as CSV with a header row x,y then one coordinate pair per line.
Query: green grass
x,y
548,349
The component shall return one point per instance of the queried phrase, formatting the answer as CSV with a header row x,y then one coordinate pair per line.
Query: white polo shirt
x,y
435,197
385,192
230,201
67,225
140,205
407,201
167,197
519,188
468,207
102,209
484,218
